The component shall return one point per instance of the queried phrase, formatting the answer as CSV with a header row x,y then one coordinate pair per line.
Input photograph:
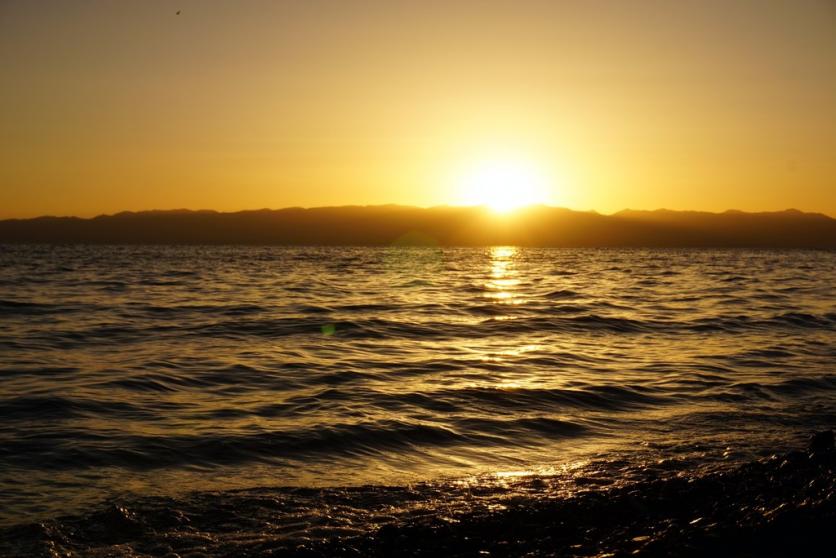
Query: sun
x,y
502,184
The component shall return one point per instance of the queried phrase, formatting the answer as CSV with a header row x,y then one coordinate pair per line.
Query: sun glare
x,y
503,185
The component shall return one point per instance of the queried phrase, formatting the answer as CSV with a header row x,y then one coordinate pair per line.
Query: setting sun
x,y
503,185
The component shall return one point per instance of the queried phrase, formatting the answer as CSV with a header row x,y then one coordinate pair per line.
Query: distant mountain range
x,y
444,226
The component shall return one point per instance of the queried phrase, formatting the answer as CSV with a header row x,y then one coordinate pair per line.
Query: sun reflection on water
x,y
504,277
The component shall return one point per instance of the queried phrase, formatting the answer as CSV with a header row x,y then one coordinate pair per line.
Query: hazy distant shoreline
x,y
390,225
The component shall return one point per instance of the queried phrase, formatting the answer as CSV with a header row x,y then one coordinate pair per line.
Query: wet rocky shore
x,y
783,505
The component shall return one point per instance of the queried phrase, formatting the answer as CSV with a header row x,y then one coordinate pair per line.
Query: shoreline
x,y
778,506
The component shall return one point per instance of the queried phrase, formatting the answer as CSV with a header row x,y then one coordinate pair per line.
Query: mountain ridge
x,y
441,225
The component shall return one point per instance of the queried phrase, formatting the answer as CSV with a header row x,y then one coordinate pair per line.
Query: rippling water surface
x,y
161,370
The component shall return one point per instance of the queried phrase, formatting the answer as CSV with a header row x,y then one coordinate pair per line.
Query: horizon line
x,y
483,207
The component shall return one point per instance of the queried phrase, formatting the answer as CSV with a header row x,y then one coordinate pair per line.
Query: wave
x,y
199,366
780,505
24,308
54,451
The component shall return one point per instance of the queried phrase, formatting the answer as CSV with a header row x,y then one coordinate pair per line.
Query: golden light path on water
x,y
503,275
503,287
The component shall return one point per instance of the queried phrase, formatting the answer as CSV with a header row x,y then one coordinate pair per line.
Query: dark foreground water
x,y
173,378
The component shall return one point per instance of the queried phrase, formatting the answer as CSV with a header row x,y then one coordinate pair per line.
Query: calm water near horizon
x,y
165,370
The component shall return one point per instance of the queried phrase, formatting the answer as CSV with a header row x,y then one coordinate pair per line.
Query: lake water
x,y
166,370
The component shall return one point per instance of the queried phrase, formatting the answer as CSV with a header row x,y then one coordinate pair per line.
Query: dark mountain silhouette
x,y
446,226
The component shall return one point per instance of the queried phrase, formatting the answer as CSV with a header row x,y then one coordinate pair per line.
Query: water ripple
x,y
132,368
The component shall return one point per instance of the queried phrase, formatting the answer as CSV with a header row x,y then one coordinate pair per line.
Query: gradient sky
x,y
710,105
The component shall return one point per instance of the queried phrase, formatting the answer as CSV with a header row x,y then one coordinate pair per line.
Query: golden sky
x,y
708,105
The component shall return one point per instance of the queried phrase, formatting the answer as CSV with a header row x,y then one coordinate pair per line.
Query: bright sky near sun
x,y
604,105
